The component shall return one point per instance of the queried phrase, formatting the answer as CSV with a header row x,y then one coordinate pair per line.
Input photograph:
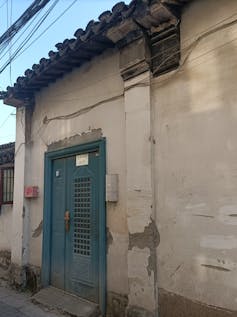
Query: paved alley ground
x,y
18,304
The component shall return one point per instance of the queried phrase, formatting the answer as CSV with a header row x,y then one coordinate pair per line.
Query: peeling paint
x,y
109,239
23,212
85,137
151,267
37,232
149,238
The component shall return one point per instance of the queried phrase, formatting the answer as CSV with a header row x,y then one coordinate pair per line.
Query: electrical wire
x,y
24,31
142,83
16,53
196,42
2,54
178,52
9,49
189,50
19,53
35,28
28,37
5,44
3,4
36,6
6,136
7,14
7,118
47,28
210,27
82,111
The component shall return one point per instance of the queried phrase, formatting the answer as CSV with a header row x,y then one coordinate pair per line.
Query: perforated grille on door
x,y
82,216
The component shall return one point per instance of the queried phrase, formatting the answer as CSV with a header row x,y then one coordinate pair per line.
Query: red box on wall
x,y
31,191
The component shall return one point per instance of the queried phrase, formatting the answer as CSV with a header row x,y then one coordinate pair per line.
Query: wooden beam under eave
x,y
14,102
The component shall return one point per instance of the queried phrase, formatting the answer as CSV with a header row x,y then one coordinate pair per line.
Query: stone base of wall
x,y
173,305
25,277
33,278
5,259
133,311
16,276
116,304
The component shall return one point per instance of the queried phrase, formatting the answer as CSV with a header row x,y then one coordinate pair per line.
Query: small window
x,y
7,185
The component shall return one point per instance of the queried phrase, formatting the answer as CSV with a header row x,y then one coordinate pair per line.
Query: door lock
x,y
67,220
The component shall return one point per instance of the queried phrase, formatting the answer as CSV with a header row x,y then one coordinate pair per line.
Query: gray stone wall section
x,y
173,305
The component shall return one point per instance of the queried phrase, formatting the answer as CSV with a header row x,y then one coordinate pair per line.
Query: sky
x,y
81,12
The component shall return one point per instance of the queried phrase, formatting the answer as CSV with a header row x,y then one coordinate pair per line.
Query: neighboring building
x,y
146,96
7,152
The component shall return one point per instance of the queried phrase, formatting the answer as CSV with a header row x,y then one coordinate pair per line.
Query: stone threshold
x,y
63,302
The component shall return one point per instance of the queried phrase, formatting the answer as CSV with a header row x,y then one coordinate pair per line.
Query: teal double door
x,y
75,224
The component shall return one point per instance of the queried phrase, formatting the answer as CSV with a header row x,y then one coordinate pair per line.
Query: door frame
x,y
47,214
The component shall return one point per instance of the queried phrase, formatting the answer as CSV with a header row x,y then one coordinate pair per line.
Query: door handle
x,y
67,221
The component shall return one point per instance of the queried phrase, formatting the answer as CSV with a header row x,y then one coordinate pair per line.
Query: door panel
x,y
82,244
58,232
75,254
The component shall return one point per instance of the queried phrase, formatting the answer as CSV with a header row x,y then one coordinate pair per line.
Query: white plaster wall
x,y
18,212
195,128
93,83
139,191
5,227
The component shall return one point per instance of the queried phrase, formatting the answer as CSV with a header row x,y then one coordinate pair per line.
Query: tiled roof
x,y
118,27
7,153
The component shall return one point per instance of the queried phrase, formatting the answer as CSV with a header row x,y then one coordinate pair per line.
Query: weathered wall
x,y
184,124
195,128
84,87
5,227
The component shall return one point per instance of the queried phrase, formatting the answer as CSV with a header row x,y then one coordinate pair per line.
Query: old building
x,y
125,168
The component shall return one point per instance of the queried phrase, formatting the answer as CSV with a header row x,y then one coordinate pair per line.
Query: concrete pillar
x,y
20,216
143,235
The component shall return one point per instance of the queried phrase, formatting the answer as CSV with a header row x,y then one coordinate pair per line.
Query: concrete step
x,y
63,302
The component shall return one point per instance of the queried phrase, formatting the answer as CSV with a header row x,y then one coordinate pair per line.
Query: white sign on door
x,y
82,159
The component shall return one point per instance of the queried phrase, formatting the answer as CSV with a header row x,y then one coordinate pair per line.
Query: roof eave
x,y
115,29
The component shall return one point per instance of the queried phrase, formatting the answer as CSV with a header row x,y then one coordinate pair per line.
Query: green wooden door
x,y
75,225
